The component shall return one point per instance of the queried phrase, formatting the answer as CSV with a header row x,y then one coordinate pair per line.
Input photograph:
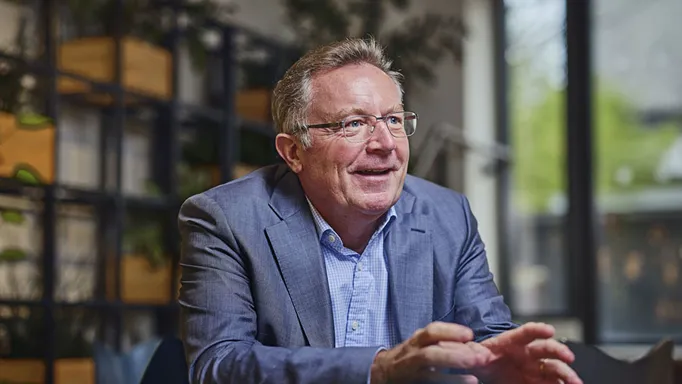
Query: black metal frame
x,y
111,206
580,221
502,136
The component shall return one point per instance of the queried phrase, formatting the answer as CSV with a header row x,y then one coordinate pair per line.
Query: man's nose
x,y
381,139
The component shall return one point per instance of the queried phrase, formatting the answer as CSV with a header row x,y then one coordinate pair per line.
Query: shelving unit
x,y
112,209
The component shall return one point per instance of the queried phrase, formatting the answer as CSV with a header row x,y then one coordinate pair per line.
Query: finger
x,y
550,349
520,336
474,349
440,331
555,370
455,355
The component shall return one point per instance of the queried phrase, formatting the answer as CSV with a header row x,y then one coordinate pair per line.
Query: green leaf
x,y
153,189
12,254
12,216
33,121
27,177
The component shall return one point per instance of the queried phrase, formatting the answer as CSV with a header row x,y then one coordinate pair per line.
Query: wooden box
x,y
74,371
32,371
147,69
22,371
140,282
254,104
26,147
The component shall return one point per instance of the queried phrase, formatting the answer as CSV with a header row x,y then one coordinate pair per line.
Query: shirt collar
x,y
323,227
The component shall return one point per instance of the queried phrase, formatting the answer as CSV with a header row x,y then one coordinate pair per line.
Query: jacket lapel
x,y
296,247
410,262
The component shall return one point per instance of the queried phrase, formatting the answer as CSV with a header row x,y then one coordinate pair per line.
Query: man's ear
x,y
289,150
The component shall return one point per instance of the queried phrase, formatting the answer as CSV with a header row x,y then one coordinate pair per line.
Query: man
x,y
339,268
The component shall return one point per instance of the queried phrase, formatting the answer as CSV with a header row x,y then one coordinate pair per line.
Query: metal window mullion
x,y
173,158
580,223
229,134
102,212
118,201
503,188
49,223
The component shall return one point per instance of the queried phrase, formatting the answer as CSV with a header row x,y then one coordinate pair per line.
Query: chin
x,y
377,204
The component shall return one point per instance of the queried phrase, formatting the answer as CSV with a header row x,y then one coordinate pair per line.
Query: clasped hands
x,y
527,354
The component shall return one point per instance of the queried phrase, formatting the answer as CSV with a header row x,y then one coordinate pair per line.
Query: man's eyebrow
x,y
337,116
396,108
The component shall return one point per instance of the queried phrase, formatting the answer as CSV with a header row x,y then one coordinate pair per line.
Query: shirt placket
x,y
357,322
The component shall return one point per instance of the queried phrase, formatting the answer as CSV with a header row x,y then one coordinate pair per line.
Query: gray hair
x,y
292,95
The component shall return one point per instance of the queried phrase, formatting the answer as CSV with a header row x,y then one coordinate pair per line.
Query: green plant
x,y
621,142
20,93
416,45
23,331
18,89
144,237
11,217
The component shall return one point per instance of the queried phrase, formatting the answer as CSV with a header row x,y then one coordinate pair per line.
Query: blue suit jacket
x,y
255,304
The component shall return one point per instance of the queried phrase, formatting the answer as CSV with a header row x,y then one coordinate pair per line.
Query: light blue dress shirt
x,y
358,286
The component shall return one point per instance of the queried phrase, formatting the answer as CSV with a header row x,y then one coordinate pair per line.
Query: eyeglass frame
x,y
340,124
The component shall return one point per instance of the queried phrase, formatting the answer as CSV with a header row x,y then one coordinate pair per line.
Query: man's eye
x,y
394,120
354,124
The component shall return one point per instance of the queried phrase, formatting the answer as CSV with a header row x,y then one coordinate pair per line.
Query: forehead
x,y
358,87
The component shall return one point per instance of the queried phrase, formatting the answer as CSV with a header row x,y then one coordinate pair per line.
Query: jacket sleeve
x,y
479,304
218,318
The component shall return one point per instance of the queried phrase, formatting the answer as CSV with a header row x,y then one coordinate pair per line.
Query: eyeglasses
x,y
359,128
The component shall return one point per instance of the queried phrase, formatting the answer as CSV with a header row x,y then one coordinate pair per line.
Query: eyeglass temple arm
x,y
324,125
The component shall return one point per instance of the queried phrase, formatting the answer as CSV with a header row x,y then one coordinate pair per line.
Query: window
x,y
637,109
535,57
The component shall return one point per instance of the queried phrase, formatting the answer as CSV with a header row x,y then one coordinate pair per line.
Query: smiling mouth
x,y
373,172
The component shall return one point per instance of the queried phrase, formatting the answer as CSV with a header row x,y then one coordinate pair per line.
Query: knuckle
x,y
433,326
430,330
427,356
417,337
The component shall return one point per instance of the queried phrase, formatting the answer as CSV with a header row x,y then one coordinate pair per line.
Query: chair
x,y
678,372
594,366
167,365
114,367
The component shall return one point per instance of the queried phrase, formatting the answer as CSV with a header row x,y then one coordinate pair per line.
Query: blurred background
x,y
561,121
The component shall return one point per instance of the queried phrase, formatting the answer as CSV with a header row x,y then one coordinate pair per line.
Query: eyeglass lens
x,y
359,128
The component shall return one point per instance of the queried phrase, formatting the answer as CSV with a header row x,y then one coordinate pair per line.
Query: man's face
x,y
365,177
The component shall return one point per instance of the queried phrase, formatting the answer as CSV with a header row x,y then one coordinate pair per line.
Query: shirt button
x,y
332,238
354,326
360,266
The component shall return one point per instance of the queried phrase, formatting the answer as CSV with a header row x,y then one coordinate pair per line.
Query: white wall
x,y
479,119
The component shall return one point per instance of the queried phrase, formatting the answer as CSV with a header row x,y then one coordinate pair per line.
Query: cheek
x,y
403,151
326,163
341,156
